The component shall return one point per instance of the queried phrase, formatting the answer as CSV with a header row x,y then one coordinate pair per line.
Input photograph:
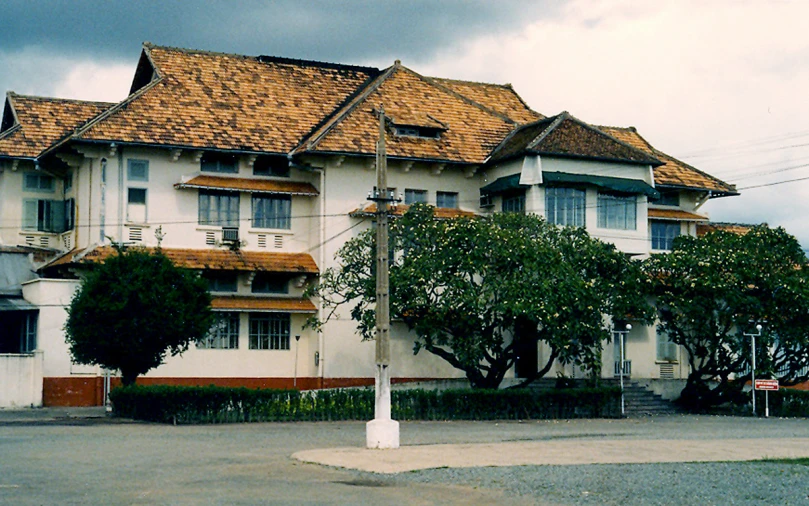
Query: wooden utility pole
x,y
382,431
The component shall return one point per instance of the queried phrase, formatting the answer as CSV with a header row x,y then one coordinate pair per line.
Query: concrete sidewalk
x,y
570,452
52,415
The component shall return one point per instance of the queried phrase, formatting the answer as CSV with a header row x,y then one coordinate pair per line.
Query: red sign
x,y
766,384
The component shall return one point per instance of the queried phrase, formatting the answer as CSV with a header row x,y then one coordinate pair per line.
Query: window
x,y
565,206
28,332
70,214
412,196
35,182
269,331
45,215
270,283
668,199
277,166
136,205
663,234
272,211
218,208
221,281
219,162
416,131
68,183
137,170
514,203
446,199
617,211
666,349
224,334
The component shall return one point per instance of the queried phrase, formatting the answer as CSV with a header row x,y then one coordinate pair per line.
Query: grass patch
x,y
801,461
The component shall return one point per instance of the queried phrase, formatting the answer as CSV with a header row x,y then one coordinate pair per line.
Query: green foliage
x,y
785,402
134,309
467,286
193,405
713,289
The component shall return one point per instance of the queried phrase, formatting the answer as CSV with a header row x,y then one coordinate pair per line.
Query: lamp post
x,y
621,336
753,337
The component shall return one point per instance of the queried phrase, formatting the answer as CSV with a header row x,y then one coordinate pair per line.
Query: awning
x,y
16,304
674,215
439,213
617,184
263,304
249,185
504,184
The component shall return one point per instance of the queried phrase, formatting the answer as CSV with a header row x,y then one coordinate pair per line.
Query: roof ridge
x,y
431,81
555,122
342,111
511,134
598,131
58,99
467,81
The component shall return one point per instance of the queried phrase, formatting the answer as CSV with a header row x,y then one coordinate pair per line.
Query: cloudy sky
x,y
722,85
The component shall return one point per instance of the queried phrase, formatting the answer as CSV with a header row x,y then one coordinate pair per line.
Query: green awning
x,y
504,184
617,184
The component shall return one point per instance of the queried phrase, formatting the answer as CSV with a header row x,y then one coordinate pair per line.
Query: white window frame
x,y
224,333
218,208
663,241
131,207
667,351
414,195
442,199
565,206
272,211
269,331
617,212
132,173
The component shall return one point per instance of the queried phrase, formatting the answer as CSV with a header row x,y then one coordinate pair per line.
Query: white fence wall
x,y
21,380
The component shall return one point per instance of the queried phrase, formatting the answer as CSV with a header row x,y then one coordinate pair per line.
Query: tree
x,y
134,309
478,292
712,290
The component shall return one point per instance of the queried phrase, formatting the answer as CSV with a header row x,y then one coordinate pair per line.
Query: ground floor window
x,y
269,331
224,334
666,349
514,203
18,334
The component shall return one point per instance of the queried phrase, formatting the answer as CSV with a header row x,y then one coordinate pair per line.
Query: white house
x,y
255,170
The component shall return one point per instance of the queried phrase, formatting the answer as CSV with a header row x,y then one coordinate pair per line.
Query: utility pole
x,y
382,432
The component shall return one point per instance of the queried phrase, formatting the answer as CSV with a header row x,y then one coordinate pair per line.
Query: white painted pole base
x,y
382,434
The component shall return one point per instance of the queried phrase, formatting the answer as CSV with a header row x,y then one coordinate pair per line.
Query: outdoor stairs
x,y
638,401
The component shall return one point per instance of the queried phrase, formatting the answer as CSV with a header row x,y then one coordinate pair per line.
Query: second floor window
x,y
446,199
222,281
272,211
219,208
136,205
45,215
617,211
219,162
565,206
137,170
266,282
36,182
412,196
663,234
514,203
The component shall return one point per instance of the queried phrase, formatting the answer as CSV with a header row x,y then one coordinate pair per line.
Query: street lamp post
x,y
753,337
621,336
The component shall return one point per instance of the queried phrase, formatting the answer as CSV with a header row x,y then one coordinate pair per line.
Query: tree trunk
x,y
128,378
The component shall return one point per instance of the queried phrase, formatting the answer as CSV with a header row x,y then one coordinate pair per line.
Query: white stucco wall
x,y
21,380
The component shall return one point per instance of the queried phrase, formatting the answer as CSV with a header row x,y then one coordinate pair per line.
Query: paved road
x,y
83,458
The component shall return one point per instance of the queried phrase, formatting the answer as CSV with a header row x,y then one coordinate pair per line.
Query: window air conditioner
x,y
230,234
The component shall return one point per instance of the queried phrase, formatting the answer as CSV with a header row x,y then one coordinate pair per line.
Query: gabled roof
x,y
565,136
469,129
212,259
500,98
200,99
673,172
34,123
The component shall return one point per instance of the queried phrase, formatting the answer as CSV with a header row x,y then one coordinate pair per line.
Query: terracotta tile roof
x,y
500,98
262,304
674,214
441,213
213,259
734,228
472,131
41,121
673,172
563,135
249,185
228,102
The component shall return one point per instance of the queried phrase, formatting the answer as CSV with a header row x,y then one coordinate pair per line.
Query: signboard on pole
x,y
766,384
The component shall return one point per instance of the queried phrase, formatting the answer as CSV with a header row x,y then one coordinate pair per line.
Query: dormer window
x,y
421,132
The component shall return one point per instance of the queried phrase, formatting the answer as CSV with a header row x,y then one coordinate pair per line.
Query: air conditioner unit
x,y
230,234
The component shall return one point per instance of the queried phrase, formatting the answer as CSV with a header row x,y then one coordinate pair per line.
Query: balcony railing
x,y
627,372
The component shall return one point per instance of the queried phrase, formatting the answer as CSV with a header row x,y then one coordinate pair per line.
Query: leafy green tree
x,y
479,292
134,309
712,290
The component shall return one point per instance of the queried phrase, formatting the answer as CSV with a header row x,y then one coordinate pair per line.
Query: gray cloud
x,y
344,31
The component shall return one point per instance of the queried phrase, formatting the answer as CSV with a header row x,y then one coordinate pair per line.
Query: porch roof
x,y
16,304
249,185
675,215
263,304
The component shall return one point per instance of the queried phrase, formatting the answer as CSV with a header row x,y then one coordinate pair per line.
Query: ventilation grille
x,y
210,238
135,234
666,371
67,241
262,240
29,240
44,241
278,242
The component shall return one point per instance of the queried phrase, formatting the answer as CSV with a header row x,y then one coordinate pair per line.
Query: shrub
x,y
785,402
211,404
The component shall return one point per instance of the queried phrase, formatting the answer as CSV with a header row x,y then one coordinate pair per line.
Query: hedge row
x,y
785,402
196,405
